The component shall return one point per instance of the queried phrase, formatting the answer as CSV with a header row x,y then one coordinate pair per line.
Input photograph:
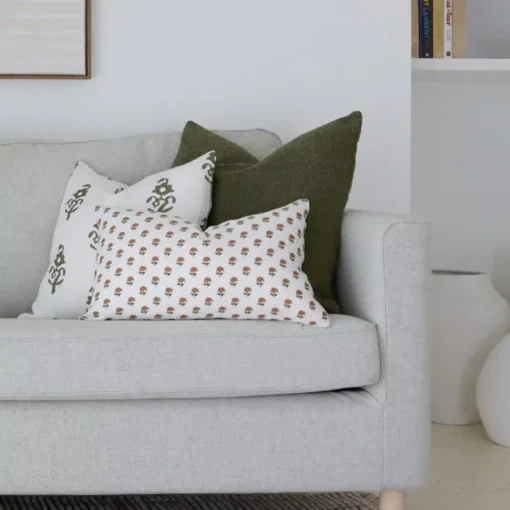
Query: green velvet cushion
x,y
318,165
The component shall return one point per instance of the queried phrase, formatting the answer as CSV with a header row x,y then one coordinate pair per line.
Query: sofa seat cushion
x,y
82,360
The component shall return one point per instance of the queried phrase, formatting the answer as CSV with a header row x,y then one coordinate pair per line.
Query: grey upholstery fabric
x,y
33,177
290,443
383,278
364,440
182,359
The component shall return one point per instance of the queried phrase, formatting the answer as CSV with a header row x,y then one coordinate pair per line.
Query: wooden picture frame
x,y
87,55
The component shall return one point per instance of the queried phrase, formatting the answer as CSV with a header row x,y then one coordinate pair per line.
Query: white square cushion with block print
x,y
183,191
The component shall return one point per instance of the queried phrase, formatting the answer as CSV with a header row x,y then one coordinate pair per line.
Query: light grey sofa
x,y
218,406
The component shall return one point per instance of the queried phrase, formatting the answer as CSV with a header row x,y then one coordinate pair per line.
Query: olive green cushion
x,y
318,165
195,138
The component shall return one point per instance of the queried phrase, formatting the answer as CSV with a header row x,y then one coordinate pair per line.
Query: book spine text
x,y
448,28
426,29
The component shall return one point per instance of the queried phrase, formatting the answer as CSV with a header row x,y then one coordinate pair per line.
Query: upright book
x,y
459,29
426,29
448,28
438,25
415,16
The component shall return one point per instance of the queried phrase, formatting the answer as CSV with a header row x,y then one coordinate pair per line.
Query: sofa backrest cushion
x,y
33,178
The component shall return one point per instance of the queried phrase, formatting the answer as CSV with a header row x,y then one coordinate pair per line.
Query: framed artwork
x,y
45,39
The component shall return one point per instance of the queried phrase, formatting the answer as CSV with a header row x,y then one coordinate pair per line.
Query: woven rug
x,y
340,501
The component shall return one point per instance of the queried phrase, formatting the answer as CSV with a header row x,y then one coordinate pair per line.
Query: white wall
x,y
461,174
284,65
461,156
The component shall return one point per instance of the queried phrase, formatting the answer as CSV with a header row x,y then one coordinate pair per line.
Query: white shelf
x,y
461,69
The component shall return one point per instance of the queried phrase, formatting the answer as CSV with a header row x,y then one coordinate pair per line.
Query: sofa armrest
x,y
383,278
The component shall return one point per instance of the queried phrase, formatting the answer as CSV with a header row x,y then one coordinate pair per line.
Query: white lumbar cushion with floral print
x,y
183,191
153,267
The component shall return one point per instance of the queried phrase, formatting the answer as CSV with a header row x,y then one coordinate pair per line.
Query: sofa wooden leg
x,y
392,500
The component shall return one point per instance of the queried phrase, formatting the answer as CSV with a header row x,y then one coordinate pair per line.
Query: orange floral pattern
x,y
168,268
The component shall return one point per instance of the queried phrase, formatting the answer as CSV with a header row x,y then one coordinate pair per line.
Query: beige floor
x,y
468,472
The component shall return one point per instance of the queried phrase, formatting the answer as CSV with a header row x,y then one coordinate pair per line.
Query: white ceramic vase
x,y
468,317
493,393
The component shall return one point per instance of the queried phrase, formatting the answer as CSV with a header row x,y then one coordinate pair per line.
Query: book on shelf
x,y
415,16
438,21
426,29
439,28
459,29
448,29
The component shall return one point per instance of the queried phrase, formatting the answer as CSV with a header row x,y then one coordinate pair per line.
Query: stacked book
x,y
439,28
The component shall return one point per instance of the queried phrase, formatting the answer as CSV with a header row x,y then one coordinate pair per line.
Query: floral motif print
x,y
208,166
73,204
152,275
90,297
94,235
57,271
78,230
162,197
